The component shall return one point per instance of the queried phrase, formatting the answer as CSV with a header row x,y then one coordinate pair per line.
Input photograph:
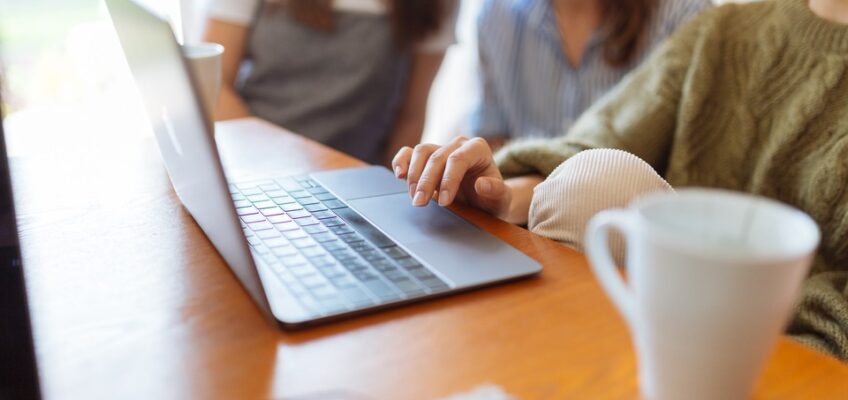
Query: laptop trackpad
x,y
395,215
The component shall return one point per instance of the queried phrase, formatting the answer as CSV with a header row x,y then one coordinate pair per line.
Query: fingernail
x,y
420,199
485,186
397,172
444,198
412,189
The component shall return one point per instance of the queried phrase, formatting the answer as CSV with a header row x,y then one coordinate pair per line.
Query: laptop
x,y
18,370
313,248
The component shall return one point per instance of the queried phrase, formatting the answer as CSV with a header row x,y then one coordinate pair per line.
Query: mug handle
x,y
603,265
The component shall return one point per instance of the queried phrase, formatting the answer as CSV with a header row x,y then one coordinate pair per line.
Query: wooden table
x,y
130,300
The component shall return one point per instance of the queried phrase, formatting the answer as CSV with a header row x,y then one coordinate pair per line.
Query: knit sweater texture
x,y
748,97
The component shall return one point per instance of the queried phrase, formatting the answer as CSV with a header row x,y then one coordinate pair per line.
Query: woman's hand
x,y
463,169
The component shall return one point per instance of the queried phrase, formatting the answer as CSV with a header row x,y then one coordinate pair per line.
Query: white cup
x,y
712,279
204,59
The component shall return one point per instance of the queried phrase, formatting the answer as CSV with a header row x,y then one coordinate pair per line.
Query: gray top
x,y
342,89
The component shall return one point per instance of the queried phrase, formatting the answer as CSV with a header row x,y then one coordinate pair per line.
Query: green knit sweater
x,y
750,97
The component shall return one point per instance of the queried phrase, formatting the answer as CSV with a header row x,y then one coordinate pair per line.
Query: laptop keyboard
x,y
328,256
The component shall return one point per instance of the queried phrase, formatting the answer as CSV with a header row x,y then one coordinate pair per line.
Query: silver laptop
x,y
309,248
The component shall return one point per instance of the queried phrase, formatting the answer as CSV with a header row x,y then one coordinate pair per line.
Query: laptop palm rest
x,y
461,252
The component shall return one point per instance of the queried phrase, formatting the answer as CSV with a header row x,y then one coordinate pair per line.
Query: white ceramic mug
x,y
712,280
204,59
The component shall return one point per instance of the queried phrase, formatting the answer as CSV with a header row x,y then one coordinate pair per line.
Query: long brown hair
x,y
624,25
412,20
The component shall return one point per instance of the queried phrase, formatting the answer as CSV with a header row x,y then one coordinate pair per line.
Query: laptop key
x,y
361,247
395,252
408,263
291,207
247,210
372,255
408,287
298,214
365,276
284,200
299,270
381,290
355,266
313,252
322,260
268,212
251,218
355,296
351,237
435,285
394,276
250,191
262,225
364,227
264,204
257,197
421,273
314,229
268,234
241,203
305,201
334,221
333,245
284,251
279,219
254,240
294,234
270,187
276,242
344,254
304,243
342,281
276,193
314,207
316,190
325,197
306,221
313,281
384,265
341,229
331,271
299,194
334,204
323,214
289,184
323,236
286,226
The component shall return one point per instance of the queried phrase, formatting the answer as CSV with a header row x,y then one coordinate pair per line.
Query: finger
x,y
400,164
492,194
455,170
431,176
419,158
459,162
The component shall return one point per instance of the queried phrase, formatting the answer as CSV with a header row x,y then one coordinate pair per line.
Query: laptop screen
x,y
18,374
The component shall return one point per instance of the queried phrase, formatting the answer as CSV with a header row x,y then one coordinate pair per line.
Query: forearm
x,y
522,196
230,105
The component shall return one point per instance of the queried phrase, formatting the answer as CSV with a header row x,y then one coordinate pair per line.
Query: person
x,y
352,74
544,62
748,97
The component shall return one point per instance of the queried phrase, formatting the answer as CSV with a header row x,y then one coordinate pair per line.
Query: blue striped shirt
x,y
529,88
